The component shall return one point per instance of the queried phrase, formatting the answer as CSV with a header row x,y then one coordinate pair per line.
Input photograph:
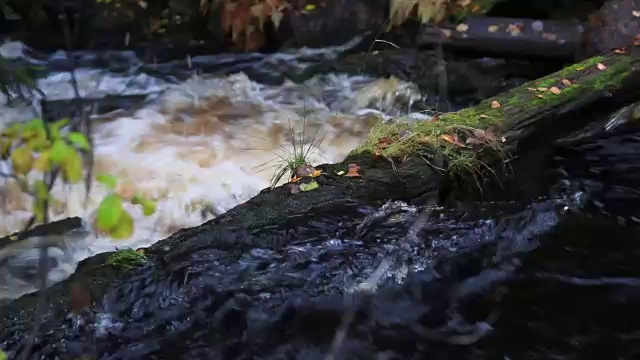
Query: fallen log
x,y
507,37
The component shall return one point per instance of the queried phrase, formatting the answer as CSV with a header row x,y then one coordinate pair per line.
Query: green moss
x,y
126,259
401,139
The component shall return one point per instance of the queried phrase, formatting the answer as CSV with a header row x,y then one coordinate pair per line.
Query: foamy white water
x,y
195,149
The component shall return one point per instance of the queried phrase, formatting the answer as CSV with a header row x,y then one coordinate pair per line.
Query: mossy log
x,y
512,116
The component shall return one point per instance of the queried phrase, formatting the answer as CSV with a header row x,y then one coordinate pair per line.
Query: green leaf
x,y
148,207
79,140
54,128
3,355
309,186
109,212
60,151
107,180
43,162
21,160
124,227
72,167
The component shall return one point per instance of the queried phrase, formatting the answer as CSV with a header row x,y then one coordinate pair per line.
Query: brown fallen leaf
x,y
601,66
495,104
353,170
636,40
542,88
452,139
384,142
464,3
531,89
566,82
620,51
484,116
555,90
541,96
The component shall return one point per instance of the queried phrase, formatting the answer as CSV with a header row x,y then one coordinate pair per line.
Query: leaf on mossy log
x,y
109,212
22,160
124,226
309,186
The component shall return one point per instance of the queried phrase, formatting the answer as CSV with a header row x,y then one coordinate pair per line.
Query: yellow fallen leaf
x,y
495,104
310,7
555,90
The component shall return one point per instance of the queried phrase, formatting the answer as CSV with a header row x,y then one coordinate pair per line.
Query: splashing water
x,y
194,149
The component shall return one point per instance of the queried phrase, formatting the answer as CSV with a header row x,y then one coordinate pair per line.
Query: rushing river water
x,y
198,147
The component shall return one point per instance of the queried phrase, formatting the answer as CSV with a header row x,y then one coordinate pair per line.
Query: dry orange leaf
x,y
495,104
452,139
353,170
295,179
601,66
555,90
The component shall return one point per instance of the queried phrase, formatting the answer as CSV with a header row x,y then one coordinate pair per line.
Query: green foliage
x,y
39,150
112,218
